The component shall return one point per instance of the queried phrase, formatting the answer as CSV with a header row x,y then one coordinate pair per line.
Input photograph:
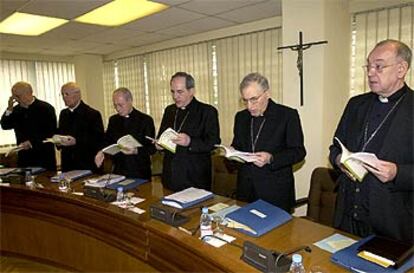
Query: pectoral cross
x,y
299,63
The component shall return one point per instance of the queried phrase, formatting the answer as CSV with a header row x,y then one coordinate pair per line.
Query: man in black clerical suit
x,y
198,131
274,134
33,121
134,163
379,122
83,130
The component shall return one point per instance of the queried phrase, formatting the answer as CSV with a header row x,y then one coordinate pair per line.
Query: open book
x,y
56,139
166,140
126,141
13,150
233,154
354,162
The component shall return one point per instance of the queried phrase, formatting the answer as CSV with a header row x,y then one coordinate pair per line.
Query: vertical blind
x,y
46,79
373,26
217,66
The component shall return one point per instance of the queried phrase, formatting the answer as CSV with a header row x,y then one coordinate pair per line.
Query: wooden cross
x,y
299,63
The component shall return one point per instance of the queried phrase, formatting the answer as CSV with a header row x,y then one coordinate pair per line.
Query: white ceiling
x,y
183,18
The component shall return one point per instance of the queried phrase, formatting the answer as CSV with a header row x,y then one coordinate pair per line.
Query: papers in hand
x,y
354,162
186,198
233,154
13,150
126,141
57,139
166,140
104,180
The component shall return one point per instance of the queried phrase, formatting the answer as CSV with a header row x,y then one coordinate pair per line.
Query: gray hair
x,y
403,51
125,93
254,78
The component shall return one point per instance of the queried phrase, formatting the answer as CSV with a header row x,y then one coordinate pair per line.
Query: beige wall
x,y
89,76
326,77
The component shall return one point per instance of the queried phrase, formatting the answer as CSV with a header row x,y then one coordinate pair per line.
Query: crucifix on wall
x,y
299,63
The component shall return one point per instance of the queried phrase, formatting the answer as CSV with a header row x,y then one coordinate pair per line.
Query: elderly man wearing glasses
x,y
274,134
379,122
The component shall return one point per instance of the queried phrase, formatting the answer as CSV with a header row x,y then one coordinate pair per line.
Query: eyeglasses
x,y
253,100
377,67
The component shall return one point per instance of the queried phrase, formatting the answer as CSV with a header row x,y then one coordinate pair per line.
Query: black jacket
x,y
35,123
138,125
280,136
390,205
190,166
84,124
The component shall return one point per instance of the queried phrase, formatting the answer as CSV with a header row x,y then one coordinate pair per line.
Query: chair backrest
x,y
322,195
224,176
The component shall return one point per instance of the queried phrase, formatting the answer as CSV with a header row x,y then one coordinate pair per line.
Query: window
x,y
368,28
46,79
217,66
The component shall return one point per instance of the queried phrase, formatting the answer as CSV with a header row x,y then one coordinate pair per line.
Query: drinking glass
x,y
218,230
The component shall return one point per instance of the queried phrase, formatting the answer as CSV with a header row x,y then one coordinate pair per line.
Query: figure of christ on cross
x,y
299,63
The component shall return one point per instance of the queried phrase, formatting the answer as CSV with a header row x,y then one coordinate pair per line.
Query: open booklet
x,y
354,162
104,180
56,139
126,141
166,140
233,154
13,150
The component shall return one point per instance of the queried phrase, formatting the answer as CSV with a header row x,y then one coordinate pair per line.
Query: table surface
x,y
164,247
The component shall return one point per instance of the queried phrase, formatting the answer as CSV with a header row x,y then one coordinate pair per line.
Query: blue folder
x,y
128,183
260,216
33,170
348,258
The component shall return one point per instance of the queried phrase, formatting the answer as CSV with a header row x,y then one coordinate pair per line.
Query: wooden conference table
x,y
83,234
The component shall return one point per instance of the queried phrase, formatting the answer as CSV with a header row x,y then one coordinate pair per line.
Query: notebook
x,y
385,251
187,198
259,217
348,258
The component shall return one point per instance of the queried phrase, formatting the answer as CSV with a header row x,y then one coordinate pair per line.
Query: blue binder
x,y
348,258
127,184
33,170
260,216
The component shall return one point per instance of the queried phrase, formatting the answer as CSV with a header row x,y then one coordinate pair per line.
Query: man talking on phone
x,y
33,121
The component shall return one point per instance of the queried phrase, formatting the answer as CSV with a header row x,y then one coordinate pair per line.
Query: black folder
x,y
393,250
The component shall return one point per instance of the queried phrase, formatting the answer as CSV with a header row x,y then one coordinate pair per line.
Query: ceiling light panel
x,y
29,24
119,12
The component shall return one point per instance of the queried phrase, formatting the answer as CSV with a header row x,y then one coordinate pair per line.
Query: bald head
x,y
22,92
71,94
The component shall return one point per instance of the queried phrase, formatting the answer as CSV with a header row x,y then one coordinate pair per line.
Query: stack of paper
x,y
71,175
187,198
104,180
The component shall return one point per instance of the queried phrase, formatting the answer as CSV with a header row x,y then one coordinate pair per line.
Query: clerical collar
x,y
394,97
76,106
188,106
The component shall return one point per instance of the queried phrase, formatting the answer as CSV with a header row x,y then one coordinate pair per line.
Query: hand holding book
x,y
355,163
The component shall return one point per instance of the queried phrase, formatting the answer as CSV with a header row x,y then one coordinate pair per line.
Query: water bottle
x,y
63,187
28,179
297,265
205,224
119,194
